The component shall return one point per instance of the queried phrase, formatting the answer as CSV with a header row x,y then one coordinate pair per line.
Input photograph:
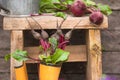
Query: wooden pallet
x,y
91,52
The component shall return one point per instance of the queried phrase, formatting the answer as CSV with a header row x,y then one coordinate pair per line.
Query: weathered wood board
x,y
49,22
77,53
16,43
94,62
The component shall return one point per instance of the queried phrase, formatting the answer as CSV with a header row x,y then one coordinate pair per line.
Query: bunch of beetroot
x,y
56,40
79,8
49,46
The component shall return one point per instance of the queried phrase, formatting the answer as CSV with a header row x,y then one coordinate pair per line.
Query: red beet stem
x,y
33,58
62,45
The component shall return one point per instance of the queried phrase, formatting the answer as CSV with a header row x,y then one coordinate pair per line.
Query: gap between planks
x,y
77,53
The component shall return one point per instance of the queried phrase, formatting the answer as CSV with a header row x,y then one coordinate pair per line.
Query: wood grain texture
x,y
77,53
111,62
3,52
114,4
4,39
5,76
114,19
4,66
16,43
111,40
49,22
94,64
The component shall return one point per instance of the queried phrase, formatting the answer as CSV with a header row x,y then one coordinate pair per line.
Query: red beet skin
x,y
78,8
96,18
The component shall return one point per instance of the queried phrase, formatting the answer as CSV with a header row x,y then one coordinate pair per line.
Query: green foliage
x,y
40,48
68,2
61,14
53,6
58,57
48,6
57,6
89,3
53,42
104,9
46,59
20,55
7,57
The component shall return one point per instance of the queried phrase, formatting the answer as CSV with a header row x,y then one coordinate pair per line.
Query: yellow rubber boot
x,y
21,72
48,72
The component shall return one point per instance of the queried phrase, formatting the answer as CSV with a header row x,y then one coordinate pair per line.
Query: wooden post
x,y
17,43
94,63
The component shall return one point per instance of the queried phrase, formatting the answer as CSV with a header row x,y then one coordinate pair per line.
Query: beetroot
x,y
78,8
96,17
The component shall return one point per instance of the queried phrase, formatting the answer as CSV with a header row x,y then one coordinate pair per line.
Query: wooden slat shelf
x,y
49,22
78,54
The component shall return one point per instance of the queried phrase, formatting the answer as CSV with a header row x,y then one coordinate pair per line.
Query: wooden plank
x,y
111,40
16,43
113,68
4,66
94,64
4,76
77,53
49,22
